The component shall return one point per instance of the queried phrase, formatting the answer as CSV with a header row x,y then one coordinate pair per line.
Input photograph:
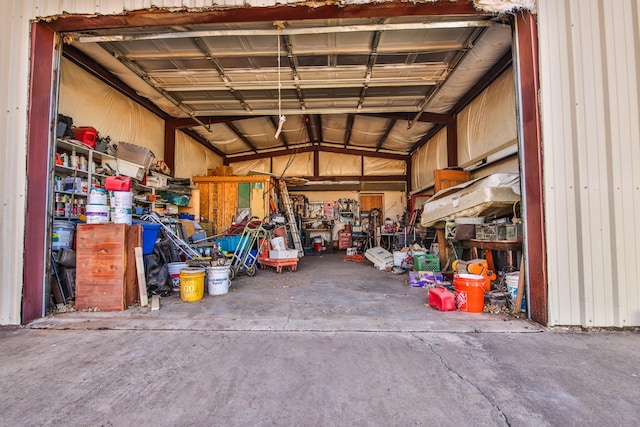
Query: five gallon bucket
x,y
317,244
174,271
191,284
121,205
512,279
97,214
469,292
62,236
399,258
218,280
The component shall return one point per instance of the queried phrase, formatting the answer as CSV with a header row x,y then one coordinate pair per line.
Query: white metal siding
x,y
13,103
589,71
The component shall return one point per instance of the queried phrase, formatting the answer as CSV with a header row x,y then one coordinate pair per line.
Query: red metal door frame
x,y
40,125
527,68
40,129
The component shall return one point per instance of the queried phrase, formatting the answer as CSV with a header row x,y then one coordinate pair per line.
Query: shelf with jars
x,y
77,169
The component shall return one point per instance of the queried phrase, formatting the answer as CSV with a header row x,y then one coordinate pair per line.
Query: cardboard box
x,y
425,278
221,171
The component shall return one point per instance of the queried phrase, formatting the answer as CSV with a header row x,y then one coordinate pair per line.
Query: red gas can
x,y
87,135
117,183
442,299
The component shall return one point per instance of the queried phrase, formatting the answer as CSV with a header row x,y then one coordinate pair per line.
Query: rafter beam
x,y
243,138
349,128
195,135
317,149
188,122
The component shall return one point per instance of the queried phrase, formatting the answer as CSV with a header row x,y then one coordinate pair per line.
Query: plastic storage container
x,y
150,233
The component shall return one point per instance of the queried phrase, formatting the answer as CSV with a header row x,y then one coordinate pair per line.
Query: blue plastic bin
x,y
149,236
228,243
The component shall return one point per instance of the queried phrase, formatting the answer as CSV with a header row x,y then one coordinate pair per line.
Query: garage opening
x,y
347,115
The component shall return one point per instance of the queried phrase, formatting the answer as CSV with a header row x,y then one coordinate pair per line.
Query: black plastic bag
x,y
157,272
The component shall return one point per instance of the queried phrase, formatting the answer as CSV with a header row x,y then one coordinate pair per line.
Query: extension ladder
x,y
293,227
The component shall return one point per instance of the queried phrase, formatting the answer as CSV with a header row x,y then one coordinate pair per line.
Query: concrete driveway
x,y
332,344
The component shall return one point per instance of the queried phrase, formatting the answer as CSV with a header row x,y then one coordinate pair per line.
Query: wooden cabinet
x,y
106,272
222,196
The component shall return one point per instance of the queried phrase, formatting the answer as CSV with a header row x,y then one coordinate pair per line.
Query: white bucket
x,y
97,214
174,271
218,280
62,235
97,196
277,243
121,216
121,199
121,204
511,279
399,258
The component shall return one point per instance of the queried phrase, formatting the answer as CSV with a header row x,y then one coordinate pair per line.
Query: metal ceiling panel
x,y
325,67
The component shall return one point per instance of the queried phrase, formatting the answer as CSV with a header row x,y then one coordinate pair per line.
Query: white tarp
x,y
488,123
90,102
192,159
334,164
428,158
249,167
377,166
299,165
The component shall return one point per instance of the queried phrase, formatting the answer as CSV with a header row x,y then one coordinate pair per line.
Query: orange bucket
x,y
469,292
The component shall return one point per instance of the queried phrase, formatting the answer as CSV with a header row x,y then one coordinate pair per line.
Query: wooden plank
x,y
142,281
230,205
133,240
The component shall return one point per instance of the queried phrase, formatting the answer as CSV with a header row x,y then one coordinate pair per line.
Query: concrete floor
x,y
335,343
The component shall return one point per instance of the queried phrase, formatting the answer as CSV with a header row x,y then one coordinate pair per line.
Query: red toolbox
x,y
85,134
442,299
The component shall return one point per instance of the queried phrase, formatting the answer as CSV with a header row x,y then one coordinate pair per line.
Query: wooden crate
x,y
105,273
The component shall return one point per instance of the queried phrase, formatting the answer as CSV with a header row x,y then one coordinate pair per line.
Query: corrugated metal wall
x,y
589,73
13,104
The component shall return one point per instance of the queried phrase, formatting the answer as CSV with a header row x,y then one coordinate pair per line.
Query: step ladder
x,y
177,242
291,219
